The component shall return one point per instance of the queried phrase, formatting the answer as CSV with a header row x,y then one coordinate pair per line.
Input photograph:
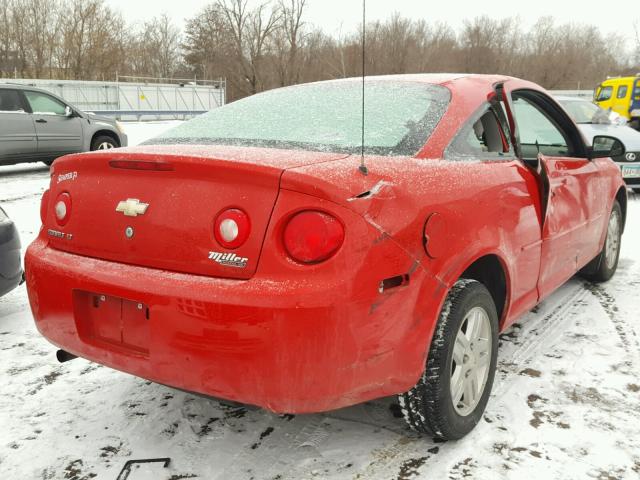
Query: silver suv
x,y
38,126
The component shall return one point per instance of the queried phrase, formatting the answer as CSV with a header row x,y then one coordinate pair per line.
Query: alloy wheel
x,y
613,239
471,361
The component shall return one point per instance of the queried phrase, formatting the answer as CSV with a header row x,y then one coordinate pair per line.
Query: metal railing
x,y
154,114
179,99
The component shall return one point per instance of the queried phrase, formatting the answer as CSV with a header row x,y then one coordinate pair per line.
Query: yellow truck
x,y
621,95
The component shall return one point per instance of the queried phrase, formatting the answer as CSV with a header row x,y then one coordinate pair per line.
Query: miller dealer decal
x,y
228,259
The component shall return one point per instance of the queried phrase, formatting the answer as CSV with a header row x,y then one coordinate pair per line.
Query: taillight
x,y
312,236
44,205
232,228
62,208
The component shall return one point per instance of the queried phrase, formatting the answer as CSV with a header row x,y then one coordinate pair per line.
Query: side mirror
x,y
604,146
68,111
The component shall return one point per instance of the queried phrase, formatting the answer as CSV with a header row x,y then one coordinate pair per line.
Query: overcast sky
x,y
345,15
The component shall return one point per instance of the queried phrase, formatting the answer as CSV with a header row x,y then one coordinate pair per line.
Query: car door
x,y
514,187
572,187
623,93
57,132
18,133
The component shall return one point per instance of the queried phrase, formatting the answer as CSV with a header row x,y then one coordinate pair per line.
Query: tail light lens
x,y
232,228
62,208
312,236
44,205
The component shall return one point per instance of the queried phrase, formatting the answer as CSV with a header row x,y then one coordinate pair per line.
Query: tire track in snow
x,y
22,197
275,456
539,331
626,333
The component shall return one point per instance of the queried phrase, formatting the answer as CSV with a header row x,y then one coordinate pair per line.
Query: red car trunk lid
x,y
184,197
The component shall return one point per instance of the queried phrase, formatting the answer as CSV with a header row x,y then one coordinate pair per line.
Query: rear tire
x,y
103,142
636,190
461,364
48,163
602,268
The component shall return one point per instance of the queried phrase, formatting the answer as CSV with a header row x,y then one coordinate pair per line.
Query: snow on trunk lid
x,y
162,217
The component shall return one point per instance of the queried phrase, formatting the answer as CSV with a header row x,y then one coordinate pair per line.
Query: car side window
x,y
622,91
481,139
43,104
604,94
10,101
538,132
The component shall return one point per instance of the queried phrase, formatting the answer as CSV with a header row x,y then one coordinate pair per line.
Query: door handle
x,y
41,120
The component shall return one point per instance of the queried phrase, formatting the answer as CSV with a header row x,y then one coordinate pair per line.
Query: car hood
x,y
627,135
100,118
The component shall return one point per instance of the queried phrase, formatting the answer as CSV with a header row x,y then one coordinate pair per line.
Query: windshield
x,y
399,118
582,111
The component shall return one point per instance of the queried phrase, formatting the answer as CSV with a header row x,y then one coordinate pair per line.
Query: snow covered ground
x,y
566,402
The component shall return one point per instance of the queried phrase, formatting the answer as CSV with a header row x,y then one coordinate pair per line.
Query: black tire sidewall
x,y
103,139
473,295
605,273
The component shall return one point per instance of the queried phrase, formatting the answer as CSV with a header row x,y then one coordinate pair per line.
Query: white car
x,y
593,120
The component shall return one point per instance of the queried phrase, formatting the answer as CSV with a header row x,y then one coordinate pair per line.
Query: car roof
x,y
22,86
615,80
432,78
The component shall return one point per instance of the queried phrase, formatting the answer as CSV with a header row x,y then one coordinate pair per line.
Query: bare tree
x,y
6,38
270,45
157,48
636,29
43,22
250,32
289,40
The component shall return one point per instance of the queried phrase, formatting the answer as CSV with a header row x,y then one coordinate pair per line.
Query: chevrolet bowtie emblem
x,y
132,207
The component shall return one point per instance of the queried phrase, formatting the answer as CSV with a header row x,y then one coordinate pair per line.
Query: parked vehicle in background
x,y
621,95
249,255
593,120
38,126
10,260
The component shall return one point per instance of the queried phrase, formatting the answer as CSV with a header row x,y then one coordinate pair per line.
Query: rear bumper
x,y
286,346
10,260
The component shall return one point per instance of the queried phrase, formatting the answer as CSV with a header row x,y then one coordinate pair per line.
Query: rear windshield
x,y
399,118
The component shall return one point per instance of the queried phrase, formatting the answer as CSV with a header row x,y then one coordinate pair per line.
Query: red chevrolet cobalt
x,y
254,254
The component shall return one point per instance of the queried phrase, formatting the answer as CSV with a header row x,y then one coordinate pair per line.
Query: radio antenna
x,y
363,167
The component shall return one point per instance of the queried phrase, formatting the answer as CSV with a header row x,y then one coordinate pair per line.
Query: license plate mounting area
x,y
113,320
